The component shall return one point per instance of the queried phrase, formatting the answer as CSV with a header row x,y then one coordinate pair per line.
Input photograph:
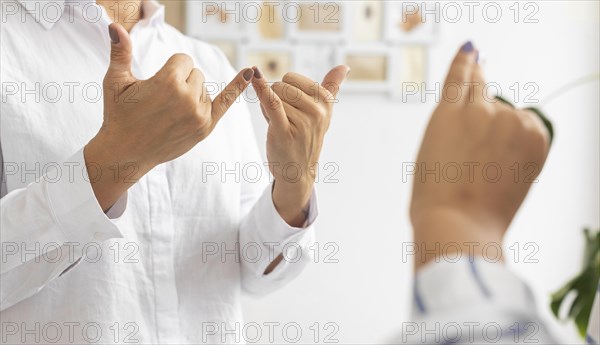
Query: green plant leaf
x,y
583,285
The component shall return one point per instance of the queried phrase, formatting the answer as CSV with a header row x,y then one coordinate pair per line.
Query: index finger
x,y
230,93
270,102
460,75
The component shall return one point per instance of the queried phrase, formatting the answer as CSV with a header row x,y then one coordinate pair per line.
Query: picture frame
x,y
410,70
270,25
367,18
274,60
318,21
371,67
404,23
384,58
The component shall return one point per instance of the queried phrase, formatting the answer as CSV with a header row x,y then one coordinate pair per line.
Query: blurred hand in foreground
x,y
478,159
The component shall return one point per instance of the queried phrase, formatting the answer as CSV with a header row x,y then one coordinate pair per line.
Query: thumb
x,y
334,79
120,53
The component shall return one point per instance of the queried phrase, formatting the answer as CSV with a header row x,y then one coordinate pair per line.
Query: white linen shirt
x,y
474,301
169,261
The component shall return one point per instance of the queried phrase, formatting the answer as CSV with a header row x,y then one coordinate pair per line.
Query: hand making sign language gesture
x,y
496,151
298,111
149,122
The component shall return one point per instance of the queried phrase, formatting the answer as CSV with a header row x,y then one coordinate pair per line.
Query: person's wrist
x,y
107,154
445,233
291,200
111,171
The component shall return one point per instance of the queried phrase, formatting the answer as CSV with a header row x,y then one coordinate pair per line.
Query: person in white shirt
x,y
463,292
135,205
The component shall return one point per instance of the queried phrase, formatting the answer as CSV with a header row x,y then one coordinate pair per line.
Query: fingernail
x,y
257,73
477,57
114,35
348,73
467,47
248,73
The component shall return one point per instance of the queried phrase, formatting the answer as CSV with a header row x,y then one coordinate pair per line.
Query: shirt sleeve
x,y
264,229
473,301
263,234
45,226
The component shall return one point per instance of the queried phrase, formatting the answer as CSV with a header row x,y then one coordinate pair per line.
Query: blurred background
x,y
360,289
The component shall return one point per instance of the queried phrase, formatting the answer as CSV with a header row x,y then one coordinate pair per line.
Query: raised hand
x,y
478,159
149,122
299,113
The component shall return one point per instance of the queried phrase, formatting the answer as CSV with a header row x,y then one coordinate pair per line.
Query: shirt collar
x,y
153,12
48,12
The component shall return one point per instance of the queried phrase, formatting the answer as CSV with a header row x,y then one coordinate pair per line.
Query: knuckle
x,y
261,90
322,116
289,77
509,114
170,80
227,99
323,113
325,95
316,111
182,58
274,102
198,74
277,86
484,108
200,121
220,109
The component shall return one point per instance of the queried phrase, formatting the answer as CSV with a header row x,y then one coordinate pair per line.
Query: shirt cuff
x,y
117,210
74,206
467,282
264,226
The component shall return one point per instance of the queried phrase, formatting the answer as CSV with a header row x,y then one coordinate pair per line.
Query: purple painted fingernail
x,y
248,73
257,73
467,47
114,35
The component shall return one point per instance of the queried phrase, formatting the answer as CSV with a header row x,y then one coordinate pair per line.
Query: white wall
x,y
367,294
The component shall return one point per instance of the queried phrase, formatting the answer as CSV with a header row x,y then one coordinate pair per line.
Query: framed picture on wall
x,y
409,72
367,20
265,20
370,68
386,43
318,20
216,20
405,22
274,60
